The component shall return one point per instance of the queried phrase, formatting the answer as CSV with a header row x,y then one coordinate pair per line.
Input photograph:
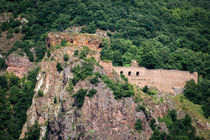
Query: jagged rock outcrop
x,y
19,65
101,117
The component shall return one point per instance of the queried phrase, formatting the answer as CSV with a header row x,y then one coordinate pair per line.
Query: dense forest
x,y
169,34
15,99
172,34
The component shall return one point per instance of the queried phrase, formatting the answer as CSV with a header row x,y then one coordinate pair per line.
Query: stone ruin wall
x,y
170,81
93,42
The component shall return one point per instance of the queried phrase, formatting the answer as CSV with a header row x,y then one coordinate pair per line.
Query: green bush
x,y
91,93
84,52
82,72
2,64
138,125
94,80
145,89
152,92
152,124
70,86
63,42
48,53
76,53
80,97
40,93
55,100
66,57
59,67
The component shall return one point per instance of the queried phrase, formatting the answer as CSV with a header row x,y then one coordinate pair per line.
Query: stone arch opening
x,y
137,73
121,72
129,73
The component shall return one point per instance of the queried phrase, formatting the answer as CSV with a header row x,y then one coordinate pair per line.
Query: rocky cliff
x,y
19,65
101,117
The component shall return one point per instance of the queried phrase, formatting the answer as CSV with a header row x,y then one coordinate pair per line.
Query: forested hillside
x,y
168,34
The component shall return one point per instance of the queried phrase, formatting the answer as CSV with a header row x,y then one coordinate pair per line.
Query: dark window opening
x,y
121,72
129,73
137,73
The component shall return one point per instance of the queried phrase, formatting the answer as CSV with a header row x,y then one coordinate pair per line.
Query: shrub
x,y
17,30
84,52
140,108
70,86
59,67
48,53
152,92
82,72
40,93
138,125
63,42
152,124
92,92
66,57
2,64
55,100
76,53
145,89
94,80
173,115
80,97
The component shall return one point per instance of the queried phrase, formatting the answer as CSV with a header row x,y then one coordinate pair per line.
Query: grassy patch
x,y
194,111
190,108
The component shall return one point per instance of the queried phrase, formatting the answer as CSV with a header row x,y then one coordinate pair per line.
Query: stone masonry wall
x,y
164,80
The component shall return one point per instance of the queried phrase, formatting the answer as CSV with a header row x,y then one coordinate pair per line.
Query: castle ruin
x,y
170,81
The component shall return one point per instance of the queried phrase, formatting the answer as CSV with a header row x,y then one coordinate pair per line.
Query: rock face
x,y
101,117
19,65
93,42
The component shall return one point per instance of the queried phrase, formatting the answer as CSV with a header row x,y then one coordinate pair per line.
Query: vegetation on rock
x,y
80,97
66,57
82,72
40,93
59,67
91,92
94,80
138,125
